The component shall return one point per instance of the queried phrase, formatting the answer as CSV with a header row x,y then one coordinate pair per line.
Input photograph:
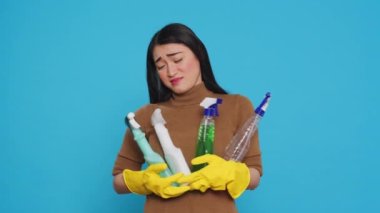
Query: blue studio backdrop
x,y
71,70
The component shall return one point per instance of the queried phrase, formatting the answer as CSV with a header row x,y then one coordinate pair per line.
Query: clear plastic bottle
x,y
241,141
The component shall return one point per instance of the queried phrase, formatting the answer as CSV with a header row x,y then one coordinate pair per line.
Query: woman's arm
x,y
119,185
121,188
255,178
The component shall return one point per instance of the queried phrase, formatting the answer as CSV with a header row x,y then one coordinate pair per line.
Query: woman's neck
x,y
194,96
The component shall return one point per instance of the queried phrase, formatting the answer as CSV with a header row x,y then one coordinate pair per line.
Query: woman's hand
x,y
149,181
219,174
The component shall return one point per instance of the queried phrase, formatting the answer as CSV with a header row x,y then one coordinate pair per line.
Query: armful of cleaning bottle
x,y
206,132
173,155
241,141
150,156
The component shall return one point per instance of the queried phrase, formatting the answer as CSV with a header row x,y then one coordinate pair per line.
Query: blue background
x,y
71,70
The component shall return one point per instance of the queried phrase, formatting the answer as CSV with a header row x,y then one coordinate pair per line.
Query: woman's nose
x,y
171,70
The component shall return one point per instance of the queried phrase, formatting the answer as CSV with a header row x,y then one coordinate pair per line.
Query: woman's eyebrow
x,y
172,54
169,55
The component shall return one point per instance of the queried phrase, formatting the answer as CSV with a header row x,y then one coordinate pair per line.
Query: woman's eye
x,y
178,60
160,67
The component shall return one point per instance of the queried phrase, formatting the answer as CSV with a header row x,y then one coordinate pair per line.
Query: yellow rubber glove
x,y
147,181
219,174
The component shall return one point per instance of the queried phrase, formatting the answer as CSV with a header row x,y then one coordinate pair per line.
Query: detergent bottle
x,y
206,132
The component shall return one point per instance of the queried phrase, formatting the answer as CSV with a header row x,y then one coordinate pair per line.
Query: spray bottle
x,y
241,141
173,155
150,156
206,132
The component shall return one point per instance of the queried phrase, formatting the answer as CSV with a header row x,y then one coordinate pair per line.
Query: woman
x,y
179,77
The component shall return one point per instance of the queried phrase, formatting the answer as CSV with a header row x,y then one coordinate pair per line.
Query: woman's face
x,y
177,66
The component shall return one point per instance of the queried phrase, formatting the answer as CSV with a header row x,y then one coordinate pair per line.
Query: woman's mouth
x,y
175,81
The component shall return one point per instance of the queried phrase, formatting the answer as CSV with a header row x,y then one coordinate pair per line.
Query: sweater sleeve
x,y
253,156
130,156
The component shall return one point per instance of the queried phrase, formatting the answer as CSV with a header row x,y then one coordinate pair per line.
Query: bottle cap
x,y
264,105
211,106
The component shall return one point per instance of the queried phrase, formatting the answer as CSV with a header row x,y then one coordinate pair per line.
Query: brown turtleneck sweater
x,y
183,116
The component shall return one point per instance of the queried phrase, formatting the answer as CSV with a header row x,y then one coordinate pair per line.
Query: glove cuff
x,y
241,181
134,182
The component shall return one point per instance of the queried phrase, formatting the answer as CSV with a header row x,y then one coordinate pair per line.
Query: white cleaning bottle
x,y
173,155
150,156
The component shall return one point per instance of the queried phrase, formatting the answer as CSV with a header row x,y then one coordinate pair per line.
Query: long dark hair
x,y
178,33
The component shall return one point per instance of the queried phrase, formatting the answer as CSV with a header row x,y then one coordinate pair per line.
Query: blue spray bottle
x,y
206,132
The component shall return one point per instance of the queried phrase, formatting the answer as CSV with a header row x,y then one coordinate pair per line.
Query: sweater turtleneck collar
x,y
194,96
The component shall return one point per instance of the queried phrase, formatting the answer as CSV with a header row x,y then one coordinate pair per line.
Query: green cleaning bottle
x,y
206,132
